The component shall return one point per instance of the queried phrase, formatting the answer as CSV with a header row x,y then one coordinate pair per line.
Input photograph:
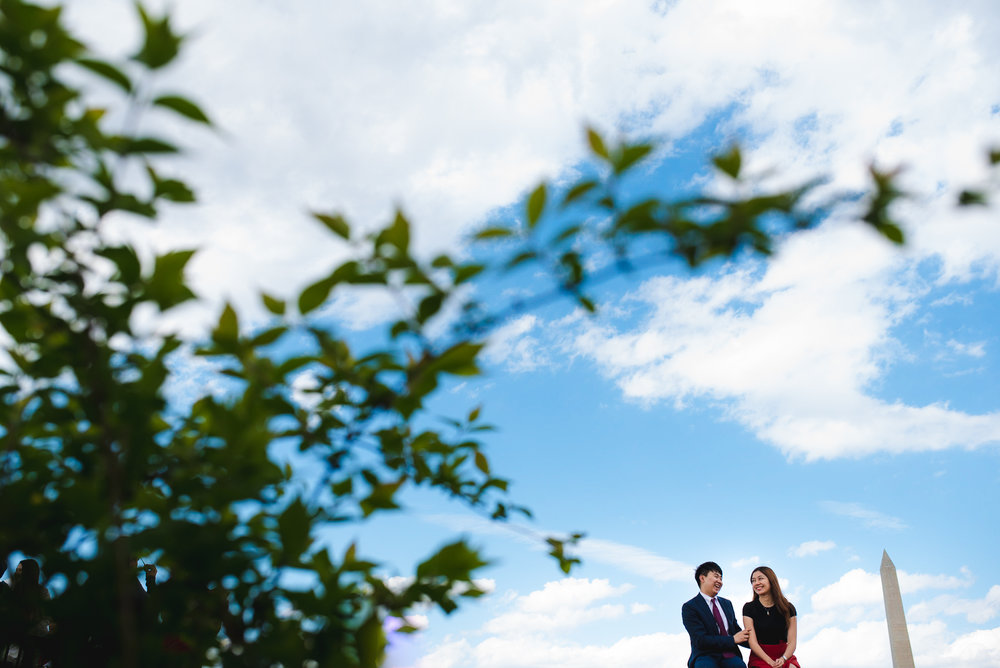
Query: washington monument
x,y
899,638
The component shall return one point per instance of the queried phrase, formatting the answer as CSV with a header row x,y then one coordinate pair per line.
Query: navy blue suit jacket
x,y
704,632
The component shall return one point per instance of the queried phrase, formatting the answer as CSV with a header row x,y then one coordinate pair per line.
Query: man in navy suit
x,y
711,623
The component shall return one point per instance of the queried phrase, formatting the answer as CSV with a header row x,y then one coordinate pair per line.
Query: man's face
x,y
711,583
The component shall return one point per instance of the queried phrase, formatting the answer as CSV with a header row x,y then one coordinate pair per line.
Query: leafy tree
x,y
98,469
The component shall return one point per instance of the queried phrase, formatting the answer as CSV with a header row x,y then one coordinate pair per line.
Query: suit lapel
x,y
729,611
707,613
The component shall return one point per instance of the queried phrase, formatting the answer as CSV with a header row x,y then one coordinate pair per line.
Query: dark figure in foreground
x,y
24,629
770,619
711,623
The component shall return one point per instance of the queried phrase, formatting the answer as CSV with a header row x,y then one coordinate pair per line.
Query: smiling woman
x,y
772,622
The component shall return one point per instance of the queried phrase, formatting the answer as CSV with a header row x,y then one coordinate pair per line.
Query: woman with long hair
x,y
770,619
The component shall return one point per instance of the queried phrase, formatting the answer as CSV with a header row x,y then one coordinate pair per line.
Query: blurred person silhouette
x,y
22,617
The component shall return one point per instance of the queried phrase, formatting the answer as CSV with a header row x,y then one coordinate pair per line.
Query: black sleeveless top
x,y
768,623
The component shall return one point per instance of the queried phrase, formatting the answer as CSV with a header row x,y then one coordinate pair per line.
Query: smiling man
x,y
711,623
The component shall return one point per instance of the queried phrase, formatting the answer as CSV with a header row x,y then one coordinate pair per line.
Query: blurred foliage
x,y
98,469
981,195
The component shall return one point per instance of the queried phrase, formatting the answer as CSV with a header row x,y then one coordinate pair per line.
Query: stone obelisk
x,y
899,638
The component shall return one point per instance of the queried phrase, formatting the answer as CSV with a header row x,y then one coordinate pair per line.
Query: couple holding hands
x,y
711,623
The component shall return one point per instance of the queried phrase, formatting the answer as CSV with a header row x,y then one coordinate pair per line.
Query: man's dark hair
x,y
705,569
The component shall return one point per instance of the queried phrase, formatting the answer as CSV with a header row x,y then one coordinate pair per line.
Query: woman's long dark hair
x,y
784,607
27,591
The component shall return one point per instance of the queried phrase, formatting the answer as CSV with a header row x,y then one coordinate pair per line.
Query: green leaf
x,y
578,191
294,526
228,328
161,44
536,204
398,328
107,71
482,463
269,336
467,272
314,295
294,364
892,232
460,359
133,145
182,106
630,156
335,223
381,497
520,258
371,642
397,234
597,145
494,233
571,263
972,198
455,561
166,287
557,549
429,306
126,261
170,189
567,233
442,262
729,162
125,202
273,304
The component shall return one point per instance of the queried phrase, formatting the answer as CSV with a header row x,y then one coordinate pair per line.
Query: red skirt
x,y
773,651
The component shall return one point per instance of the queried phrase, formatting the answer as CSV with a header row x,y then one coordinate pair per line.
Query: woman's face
x,y
760,583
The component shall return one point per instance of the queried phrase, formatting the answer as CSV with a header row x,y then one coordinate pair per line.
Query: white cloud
x,y
871,518
535,630
512,345
635,560
980,648
447,655
758,343
953,298
811,548
487,585
866,645
535,652
453,109
562,604
748,561
478,525
417,621
629,558
911,582
976,349
861,588
976,611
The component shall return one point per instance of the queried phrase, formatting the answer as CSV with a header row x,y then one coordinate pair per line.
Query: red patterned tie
x,y
722,627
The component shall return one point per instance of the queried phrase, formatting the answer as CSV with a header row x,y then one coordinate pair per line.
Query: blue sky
x,y
805,412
